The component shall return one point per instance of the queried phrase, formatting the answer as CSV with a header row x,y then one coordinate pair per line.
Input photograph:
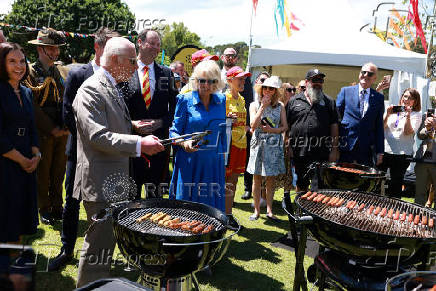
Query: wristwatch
x,y
38,154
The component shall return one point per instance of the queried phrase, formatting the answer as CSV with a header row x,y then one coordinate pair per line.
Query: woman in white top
x,y
400,124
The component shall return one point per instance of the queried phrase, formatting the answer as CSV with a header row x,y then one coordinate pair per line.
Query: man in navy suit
x,y
70,215
361,129
151,99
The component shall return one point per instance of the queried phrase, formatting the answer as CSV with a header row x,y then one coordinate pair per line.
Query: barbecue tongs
x,y
196,136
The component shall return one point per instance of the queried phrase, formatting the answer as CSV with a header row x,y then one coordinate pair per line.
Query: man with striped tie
x,y
151,99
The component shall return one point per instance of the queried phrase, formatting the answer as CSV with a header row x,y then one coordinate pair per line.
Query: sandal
x,y
273,218
254,217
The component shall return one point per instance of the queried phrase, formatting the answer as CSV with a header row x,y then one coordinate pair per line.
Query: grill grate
x,y
128,218
379,223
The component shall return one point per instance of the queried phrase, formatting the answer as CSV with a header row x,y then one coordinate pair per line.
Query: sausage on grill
x,y
410,217
397,215
424,220
340,202
383,212
361,207
370,210
403,216
326,199
199,228
377,210
390,213
209,228
431,223
417,219
308,193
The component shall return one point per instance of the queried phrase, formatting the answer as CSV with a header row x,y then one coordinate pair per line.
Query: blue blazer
x,y
75,79
367,130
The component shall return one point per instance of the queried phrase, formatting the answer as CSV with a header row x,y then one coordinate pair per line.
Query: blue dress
x,y
18,200
200,176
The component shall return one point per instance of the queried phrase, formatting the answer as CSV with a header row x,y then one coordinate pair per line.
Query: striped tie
x,y
145,88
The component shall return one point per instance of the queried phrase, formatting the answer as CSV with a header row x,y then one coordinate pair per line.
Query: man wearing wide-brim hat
x,y
47,86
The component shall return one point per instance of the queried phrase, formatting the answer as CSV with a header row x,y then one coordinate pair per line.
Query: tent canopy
x,y
318,46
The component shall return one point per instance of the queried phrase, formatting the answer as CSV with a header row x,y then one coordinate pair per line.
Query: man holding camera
x,y
425,169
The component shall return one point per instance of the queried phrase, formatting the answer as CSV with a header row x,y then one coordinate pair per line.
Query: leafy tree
x,y
81,16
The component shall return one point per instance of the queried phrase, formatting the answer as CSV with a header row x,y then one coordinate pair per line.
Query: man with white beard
x,y
313,127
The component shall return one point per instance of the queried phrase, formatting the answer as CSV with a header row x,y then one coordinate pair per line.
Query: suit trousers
x,y
70,215
98,247
50,172
152,176
425,174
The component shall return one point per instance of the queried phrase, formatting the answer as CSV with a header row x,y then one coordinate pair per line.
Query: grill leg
x,y
300,279
195,282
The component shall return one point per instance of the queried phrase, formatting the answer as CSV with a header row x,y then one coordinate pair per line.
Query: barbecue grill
x,y
350,176
168,258
364,229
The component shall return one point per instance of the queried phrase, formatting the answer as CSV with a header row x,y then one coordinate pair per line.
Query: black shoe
x,y
46,218
57,214
233,224
246,196
60,261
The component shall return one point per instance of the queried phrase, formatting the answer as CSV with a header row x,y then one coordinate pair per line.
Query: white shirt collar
x,y
141,65
109,76
361,88
94,65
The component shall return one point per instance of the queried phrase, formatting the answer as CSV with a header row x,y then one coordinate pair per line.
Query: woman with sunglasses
x,y
285,180
268,122
400,125
199,170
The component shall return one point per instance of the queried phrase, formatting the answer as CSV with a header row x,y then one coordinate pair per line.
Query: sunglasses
x,y
230,56
303,88
370,74
317,80
208,81
291,90
262,80
268,88
408,98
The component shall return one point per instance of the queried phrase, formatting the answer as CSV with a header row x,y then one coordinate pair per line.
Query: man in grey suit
x,y
104,145
425,168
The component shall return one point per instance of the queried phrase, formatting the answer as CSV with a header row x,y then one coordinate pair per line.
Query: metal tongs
x,y
196,136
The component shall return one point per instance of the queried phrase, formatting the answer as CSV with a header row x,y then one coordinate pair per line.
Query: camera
x,y
265,121
396,109
430,112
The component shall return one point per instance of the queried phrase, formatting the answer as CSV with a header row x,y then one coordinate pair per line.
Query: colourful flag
x,y
418,24
255,5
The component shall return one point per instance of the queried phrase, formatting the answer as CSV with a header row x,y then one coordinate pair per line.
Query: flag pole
x,y
251,41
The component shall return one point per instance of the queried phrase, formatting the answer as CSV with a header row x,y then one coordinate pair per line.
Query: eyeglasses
x,y
291,90
408,98
370,74
132,61
230,56
317,80
268,88
303,88
208,81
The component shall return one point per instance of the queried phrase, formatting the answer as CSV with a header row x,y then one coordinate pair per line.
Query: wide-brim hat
x,y
237,72
273,81
49,37
202,55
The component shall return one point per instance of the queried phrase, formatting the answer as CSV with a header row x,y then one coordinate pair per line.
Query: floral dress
x,y
266,149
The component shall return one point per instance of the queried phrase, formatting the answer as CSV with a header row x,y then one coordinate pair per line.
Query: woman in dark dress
x,y
19,153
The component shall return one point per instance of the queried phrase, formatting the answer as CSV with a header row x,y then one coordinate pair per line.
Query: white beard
x,y
315,94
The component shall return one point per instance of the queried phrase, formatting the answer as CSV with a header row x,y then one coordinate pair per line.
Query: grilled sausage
x,y
144,218
199,228
424,220
417,219
340,202
431,223
383,212
319,198
403,216
332,201
410,217
326,199
348,204
312,196
308,193
390,213
377,210
361,207
194,223
370,210
353,204
164,219
397,215
209,228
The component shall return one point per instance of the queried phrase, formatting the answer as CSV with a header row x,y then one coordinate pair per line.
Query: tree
x,y
80,16
241,47
175,36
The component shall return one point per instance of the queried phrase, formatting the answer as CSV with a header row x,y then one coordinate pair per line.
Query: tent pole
x,y
251,41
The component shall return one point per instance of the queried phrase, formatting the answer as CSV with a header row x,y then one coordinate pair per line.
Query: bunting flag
x,y
418,25
395,13
255,5
395,26
287,18
389,35
66,33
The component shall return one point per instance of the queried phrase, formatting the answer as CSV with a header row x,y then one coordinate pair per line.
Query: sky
x,y
228,21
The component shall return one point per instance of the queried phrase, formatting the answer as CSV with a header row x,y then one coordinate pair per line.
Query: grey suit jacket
x,y
427,139
104,140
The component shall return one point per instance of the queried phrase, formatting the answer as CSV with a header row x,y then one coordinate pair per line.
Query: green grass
x,y
251,262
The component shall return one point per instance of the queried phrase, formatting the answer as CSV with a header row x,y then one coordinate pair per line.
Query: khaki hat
x,y
49,37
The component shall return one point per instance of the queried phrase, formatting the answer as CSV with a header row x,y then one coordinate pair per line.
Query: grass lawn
x,y
251,262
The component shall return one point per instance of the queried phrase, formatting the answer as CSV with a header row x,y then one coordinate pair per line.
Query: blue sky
x,y
225,21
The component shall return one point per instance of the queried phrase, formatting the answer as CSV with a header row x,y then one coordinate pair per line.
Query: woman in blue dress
x,y
19,153
199,171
